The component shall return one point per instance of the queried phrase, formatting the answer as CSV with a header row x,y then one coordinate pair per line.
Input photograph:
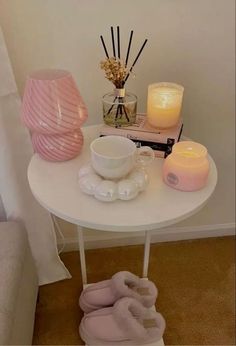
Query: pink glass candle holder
x,y
187,167
52,103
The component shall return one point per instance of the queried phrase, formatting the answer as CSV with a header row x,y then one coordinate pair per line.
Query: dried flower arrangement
x,y
115,71
118,72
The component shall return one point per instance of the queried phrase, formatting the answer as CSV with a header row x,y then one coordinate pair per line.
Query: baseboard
x,y
111,239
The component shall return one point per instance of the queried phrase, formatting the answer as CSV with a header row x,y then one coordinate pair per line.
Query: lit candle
x,y
164,104
187,167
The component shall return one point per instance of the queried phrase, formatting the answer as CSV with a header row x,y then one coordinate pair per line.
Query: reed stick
x,y
113,42
104,46
129,45
135,60
118,41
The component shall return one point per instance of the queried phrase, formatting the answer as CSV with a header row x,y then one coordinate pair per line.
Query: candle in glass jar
x,y
164,104
187,167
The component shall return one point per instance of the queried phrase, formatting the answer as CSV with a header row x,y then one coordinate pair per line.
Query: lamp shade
x,y
52,103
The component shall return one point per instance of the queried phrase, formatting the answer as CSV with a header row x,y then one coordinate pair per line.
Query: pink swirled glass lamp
x,y
53,110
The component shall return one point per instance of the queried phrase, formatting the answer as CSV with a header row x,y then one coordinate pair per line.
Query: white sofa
x,y
18,286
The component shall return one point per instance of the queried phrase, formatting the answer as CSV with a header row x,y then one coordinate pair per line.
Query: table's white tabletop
x,y
55,186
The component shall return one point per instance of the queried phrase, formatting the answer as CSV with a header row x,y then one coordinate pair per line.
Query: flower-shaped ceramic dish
x,y
110,190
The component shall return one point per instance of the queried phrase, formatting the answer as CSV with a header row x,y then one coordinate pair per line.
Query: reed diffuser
x,y
119,107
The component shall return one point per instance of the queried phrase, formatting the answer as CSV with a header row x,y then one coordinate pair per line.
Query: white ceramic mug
x,y
113,157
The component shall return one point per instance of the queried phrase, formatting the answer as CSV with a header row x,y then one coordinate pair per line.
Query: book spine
x,y
153,145
134,135
160,149
159,154
164,148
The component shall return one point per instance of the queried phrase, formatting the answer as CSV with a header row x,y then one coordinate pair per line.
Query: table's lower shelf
x,y
159,343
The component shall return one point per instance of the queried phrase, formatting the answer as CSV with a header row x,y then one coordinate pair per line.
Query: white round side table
x,y
55,186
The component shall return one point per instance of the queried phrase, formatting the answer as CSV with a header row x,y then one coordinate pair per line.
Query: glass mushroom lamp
x,y
53,110
187,167
164,104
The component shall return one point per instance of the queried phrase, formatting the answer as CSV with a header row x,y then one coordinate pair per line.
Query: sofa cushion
x,y
2,211
13,240
13,246
5,328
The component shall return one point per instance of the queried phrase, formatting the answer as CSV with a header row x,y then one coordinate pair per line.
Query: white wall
x,y
190,42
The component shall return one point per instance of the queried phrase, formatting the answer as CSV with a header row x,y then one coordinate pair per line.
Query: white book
x,y
142,130
142,133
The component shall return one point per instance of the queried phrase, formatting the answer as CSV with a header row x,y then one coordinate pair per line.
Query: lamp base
x,y
60,147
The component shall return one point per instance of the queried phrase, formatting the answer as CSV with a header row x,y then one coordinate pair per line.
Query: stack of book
x,y
161,141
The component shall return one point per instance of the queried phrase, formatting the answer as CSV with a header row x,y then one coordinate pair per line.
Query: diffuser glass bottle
x,y
119,108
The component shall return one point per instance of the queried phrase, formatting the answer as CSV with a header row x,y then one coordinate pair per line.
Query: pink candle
x,y
187,167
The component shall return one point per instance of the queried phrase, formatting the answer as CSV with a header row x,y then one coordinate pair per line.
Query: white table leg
x,y
82,255
146,253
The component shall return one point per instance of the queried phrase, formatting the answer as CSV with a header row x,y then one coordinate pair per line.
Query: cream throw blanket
x,y
19,204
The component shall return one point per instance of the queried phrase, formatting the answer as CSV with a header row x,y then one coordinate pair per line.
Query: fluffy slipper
x,y
128,322
122,284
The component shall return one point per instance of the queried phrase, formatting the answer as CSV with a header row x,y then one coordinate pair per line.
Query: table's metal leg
x,y
82,255
146,253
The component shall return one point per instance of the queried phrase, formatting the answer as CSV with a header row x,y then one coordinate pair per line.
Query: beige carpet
x,y
196,281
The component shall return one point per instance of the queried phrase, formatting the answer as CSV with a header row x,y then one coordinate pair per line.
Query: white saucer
x,y
110,190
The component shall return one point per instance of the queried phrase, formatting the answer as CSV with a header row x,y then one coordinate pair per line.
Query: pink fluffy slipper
x,y
128,322
122,284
